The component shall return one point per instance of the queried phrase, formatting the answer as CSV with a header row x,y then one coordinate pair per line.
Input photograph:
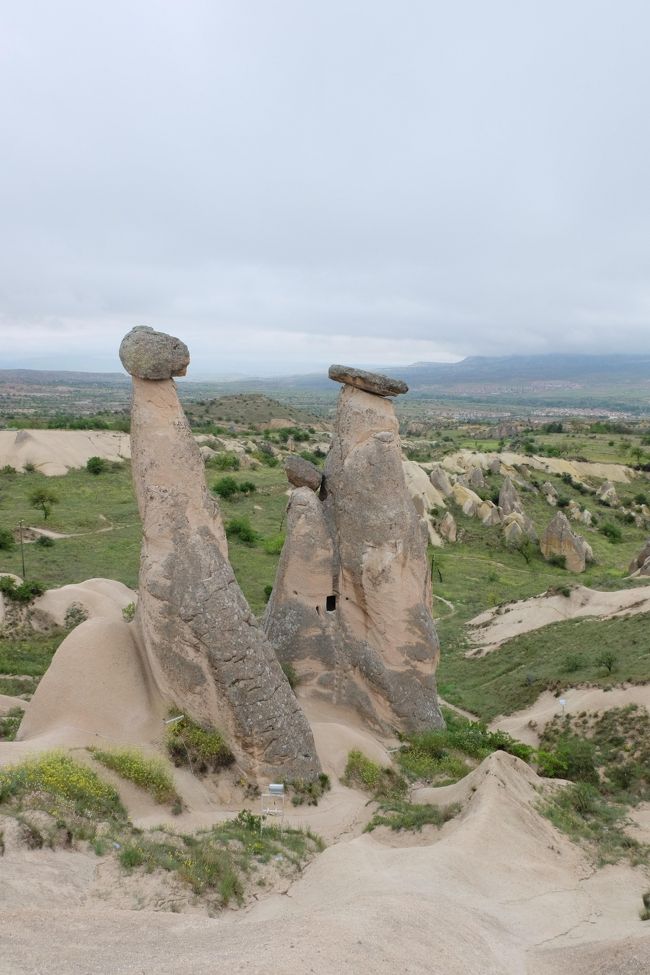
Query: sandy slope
x,y
490,629
58,451
464,459
528,723
498,892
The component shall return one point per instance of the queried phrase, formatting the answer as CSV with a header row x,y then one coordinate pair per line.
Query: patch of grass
x,y
148,772
202,749
214,863
361,772
308,793
399,814
21,592
61,784
242,529
28,653
9,724
580,811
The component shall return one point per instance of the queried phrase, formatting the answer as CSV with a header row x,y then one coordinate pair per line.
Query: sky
x,y
286,183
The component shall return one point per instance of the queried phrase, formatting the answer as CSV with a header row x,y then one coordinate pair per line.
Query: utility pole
x,y
22,546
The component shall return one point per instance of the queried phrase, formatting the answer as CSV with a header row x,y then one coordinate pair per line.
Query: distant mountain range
x,y
612,382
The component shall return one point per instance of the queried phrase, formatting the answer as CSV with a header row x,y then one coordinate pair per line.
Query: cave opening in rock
x,y
330,604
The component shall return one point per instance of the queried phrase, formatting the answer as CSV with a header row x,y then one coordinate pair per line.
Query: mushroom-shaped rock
x,y
147,354
351,606
371,382
302,473
200,642
560,540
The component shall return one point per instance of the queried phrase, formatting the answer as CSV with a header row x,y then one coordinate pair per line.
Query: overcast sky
x,y
287,183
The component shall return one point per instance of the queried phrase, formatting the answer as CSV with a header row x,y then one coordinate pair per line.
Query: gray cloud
x,y
288,183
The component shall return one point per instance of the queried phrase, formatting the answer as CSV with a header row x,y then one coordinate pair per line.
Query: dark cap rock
x,y
371,382
148,354
301,473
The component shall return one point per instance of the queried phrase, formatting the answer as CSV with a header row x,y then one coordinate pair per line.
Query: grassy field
x,y
477,573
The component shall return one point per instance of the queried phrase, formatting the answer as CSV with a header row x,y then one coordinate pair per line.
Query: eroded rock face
x,y
641,564
559,539
351,604
202,644
302,473
440,480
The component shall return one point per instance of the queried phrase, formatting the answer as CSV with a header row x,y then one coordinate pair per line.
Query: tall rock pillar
x,y
351,607
206,653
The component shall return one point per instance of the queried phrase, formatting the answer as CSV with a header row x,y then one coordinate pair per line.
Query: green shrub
x,y
6,540
242,529
611,532
291,674
608,660
148,772
573,758
128,612
22,592
362,772
247,487
225,462
273,545
268,590
202,749
559,561
9,724
307,793
96,465
44,541
43,498
226,487
75,614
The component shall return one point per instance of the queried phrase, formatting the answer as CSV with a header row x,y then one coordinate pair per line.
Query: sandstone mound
x,y
105,598
202,643
96,686
351,605
55,452
495,626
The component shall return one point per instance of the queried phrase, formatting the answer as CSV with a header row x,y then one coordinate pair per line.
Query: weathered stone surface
x,y
607,493
513,531
494,465
301,473
351,606
148,354
641,563
559,539
488,513
509,499
371,382
467,499
550,494
440,480
202,644
447,527
425,495
475,478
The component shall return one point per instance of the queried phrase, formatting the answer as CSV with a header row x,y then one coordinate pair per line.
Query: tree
x,y
43,498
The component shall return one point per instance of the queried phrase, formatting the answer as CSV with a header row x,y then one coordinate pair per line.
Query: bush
x,y
8,470
96,465
225,462
242,529
607,659
247,487
44,541
202,749
399,814
574,758
559,561
74,615
24,592
43,498
273,545
6,540
268,589
66,782
226,487
362,772
149,773
611,532
128,612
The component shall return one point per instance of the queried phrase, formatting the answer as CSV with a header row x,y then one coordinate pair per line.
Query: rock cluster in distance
x,y
351,607
202,644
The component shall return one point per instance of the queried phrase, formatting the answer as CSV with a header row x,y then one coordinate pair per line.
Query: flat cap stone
x,y
371,382
148,354
301,473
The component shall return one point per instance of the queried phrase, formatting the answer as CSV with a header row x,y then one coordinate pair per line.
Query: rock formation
x,y
550,494
302,473
513,514
509,500
201,642
560,540
351,607
447,527
440,480
641,564
607,493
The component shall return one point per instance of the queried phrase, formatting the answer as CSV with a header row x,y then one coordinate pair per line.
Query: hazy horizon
x,y
286,185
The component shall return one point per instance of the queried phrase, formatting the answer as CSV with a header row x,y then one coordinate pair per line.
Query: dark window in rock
x,y
330,604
